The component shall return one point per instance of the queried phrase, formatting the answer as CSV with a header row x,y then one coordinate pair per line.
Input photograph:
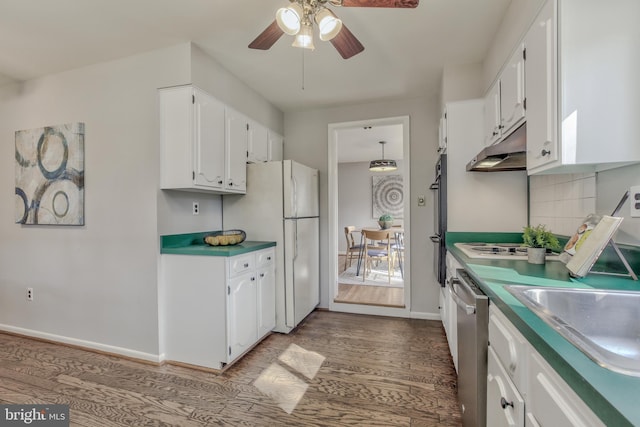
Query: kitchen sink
x,y
605,325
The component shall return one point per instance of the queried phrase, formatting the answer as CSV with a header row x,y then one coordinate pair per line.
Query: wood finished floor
x,y
374,371
368,295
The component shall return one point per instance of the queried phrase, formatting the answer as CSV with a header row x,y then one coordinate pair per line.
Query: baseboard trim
x,y
84,345
424,316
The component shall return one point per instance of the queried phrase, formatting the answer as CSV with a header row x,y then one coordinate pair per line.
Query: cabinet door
x,y
540,86
551,402
505,406
236,151
512,93
257,143
492,115
208,142
276,147
241,314
442,133
266,300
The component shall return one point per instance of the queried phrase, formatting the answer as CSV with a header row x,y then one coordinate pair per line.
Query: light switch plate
x,y
634,201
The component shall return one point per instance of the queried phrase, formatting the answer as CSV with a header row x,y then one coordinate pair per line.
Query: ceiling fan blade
x,y
346,43
267,38
380,3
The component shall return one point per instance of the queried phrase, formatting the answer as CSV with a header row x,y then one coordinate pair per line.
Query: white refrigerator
x,y
281,205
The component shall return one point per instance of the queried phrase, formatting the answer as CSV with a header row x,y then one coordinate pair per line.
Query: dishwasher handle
x,y
469,309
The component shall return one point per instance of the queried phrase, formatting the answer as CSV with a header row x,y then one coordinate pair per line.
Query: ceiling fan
x,y
297,20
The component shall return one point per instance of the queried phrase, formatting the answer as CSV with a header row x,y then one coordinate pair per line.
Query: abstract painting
x,y
388,196
50,175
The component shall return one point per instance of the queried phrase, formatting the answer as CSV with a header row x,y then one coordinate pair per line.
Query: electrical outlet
x,y
196,208
421,201
29,294
634,201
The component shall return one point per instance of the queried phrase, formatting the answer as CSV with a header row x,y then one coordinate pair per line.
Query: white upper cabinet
x,y
512,91
442,133
205,145
258,143
504,104
582,86
276,146
492,115
237,133
542,143
191,140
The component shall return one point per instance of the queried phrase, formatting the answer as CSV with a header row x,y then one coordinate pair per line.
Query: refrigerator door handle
x,y
294,196
295,252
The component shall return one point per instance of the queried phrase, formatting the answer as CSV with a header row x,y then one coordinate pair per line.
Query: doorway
x,y
357,197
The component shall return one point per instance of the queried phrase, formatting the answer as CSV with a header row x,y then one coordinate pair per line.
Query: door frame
x,y
335,232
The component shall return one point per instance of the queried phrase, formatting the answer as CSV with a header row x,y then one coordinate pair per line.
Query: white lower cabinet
x,y
551,402
266,277
522,388
214,308
505,405
242,313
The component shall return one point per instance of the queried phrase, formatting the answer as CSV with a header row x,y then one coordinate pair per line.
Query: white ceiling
x,y
405,49
360,144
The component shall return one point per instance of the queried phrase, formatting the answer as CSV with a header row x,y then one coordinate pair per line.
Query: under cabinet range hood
x,y
507,155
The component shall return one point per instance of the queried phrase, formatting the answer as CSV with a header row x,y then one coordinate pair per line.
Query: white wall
x,y
461,82
561,202
610,186
307,142
97,285
355,195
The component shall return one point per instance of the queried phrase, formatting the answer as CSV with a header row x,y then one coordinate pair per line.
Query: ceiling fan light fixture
x,y
289,18
328,24
382,165
304,38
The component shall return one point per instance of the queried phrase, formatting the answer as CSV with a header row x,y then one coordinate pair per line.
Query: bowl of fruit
x,y
225,238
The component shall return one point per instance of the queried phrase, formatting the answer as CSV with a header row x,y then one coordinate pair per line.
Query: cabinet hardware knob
x,y
495,133
220,182
246,264
261,274
504,403
545,152
268,258
253,279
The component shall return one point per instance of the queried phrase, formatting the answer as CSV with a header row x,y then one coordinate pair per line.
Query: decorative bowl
x,y
225,238
385,224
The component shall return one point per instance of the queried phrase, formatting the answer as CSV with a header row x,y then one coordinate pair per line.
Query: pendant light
x,y
382,165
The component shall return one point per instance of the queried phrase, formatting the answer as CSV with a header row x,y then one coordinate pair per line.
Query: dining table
x,y
395,233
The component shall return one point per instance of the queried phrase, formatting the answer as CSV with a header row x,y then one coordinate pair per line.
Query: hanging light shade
x,y
304,38
289,18
328,24
382,165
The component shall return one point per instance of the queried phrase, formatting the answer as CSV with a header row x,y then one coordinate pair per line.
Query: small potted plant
x,y
385,221
538,239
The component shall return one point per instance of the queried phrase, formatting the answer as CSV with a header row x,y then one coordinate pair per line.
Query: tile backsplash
x,y
561,202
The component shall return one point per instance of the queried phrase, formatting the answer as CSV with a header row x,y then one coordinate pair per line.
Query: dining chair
x,y
352,247
398,251
377,246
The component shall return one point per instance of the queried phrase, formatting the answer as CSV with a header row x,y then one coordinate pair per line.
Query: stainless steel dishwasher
x,y
472,324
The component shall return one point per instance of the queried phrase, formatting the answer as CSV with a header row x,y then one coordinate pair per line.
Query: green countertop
x,y
612,396
193,244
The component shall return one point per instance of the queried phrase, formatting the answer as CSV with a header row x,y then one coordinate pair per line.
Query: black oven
x,y
440,217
